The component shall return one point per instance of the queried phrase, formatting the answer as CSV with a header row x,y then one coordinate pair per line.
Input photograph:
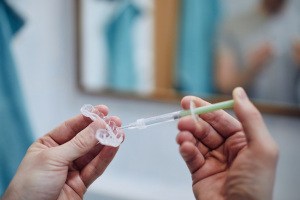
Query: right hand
x,y
259,56
227,158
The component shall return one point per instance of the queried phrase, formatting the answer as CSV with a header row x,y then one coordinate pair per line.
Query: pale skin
x,y
228,75
63,163
228,158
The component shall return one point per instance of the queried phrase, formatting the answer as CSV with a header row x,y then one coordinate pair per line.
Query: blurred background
x,y
151,48
207,48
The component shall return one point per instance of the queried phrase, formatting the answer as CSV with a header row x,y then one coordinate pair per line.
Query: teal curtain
x,y
194,68
119,36
15,132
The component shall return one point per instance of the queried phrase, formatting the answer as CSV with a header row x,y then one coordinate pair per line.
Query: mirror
x,y
166,49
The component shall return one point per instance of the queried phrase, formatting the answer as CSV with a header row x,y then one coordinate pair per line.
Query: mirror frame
x,y
165,25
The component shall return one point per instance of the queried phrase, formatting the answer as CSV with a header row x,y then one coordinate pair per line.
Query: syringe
x,y
145,122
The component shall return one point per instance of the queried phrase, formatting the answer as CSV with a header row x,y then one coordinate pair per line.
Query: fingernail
x,y
241,94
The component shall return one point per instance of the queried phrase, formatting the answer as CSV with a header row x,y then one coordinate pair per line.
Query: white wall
x,y
147,165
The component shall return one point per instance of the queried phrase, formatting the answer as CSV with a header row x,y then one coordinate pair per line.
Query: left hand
x,y
64,162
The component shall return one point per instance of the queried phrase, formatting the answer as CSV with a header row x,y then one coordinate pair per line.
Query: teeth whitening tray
x,y
112,135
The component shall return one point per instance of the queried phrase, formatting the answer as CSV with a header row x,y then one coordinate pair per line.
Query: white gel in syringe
x,y
145,122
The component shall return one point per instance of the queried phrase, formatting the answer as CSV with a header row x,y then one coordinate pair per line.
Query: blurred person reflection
x,y
259,50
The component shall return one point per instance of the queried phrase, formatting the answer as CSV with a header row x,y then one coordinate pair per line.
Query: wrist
x,y
11,193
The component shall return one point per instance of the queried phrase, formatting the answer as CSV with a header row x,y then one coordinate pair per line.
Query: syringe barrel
x,y
145,122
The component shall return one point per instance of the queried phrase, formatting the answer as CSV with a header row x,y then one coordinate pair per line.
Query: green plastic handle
x,y
210,108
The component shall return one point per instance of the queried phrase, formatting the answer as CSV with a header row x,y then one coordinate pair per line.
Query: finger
x,y
221,121
117,121
251,119
97,166
81,144
185,136
81,162
192,156
85,159
203,131
71,127
233,146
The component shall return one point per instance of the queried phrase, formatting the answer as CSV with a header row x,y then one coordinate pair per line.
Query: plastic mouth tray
x,y
110,134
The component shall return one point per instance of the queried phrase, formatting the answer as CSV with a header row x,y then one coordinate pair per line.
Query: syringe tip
x,y
139,124
129,126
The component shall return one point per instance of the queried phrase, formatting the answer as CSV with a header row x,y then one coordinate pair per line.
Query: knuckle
x,y
179,137
202,131
183,136
271,150
182,123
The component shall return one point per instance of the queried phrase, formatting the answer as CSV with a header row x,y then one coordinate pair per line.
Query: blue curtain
x,y
194,68
15,133
119,37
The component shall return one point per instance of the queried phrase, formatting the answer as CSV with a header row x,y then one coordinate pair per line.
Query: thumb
x,y
81,144
250,118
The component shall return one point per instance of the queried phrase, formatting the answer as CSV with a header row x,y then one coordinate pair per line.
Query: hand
x,y
63,163
296,52
258,57
228,159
